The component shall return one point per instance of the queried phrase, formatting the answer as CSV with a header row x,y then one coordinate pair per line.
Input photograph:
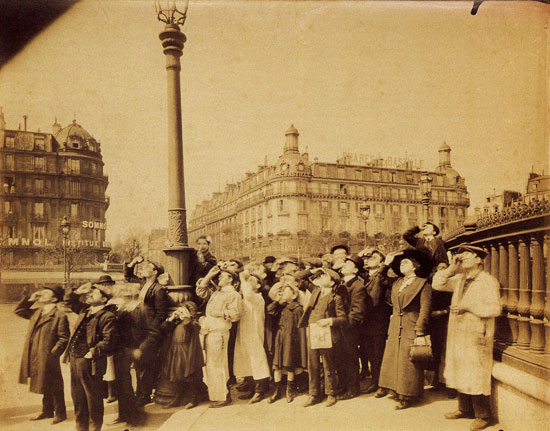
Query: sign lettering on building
x,y
94,225
28,242
378,161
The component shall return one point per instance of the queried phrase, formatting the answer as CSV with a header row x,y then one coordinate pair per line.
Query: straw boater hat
x,y
422,258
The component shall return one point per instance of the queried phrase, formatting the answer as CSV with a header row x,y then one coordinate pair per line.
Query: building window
x,y
343,189
324,188
444,212
39,232
358,174
379,209
39,143
39,185
343,207
8,207
376,175
10,231
325,207
411,211
74,188
38,209
394,193
302,222
95,189
324,223
74,210
10,141
39,164
74,166
10,164
281,205
303,206
341,173
396,210
392,177
94,168
409,178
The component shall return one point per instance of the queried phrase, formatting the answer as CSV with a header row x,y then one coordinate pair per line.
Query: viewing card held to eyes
x,y
320,336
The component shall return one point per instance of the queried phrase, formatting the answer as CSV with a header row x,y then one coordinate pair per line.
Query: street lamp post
x,y
426,191
178,252
365,213
65,229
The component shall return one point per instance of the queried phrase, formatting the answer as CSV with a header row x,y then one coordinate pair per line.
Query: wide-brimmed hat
x,y
105,279
57,290
336,247
359,264
425,261
473,249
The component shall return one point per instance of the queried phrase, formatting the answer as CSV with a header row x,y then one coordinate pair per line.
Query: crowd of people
x,y
335,326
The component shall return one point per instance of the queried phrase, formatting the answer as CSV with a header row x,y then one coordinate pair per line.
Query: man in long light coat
x,y
250,357
474,306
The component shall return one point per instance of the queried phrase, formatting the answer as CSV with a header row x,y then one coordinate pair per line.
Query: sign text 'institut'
x,y
302,207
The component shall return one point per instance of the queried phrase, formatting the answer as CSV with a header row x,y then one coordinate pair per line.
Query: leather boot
x,y
277,394
290,391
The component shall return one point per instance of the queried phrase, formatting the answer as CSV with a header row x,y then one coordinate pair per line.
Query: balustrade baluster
x,y
513,289
524,335
547,306
537,297
502,332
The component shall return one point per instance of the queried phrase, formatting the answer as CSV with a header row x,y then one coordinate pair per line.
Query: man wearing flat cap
x,y
326,309
46,340
475,304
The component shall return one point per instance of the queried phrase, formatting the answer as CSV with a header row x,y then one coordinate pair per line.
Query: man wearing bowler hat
x,y
46,340
475,304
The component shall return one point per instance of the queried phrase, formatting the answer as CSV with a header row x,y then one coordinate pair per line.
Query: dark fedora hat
x,y
423,259
58,291
359,263
269,259
473,249
105,279
342,246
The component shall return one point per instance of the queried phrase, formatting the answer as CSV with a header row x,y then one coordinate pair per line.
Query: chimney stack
x,y
25,122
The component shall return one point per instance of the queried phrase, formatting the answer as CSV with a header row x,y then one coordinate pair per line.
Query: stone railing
x,y
517,241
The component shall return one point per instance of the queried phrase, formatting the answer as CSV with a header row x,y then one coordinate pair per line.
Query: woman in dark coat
x,y
290,349
411,297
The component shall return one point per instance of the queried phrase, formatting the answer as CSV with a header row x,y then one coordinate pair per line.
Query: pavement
x,y
17,405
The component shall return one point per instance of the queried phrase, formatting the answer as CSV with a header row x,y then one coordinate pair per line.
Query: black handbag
x,y
421,350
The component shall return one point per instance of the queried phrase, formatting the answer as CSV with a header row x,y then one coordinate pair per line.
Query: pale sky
x,y
364,77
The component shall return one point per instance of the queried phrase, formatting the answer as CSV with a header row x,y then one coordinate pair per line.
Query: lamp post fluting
x,y
65,229
178,252
426,192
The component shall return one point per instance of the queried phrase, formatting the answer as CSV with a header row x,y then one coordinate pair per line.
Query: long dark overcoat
x,y
46,339
290,349
411,311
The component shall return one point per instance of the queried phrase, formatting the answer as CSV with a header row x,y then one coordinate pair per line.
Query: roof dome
x,y
73,129
444,147
73,136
